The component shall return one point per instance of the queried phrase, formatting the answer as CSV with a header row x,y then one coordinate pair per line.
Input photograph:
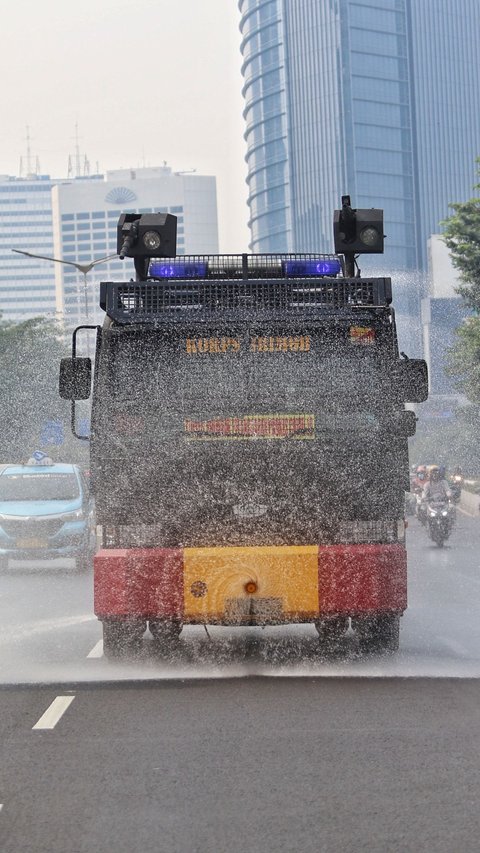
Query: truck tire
x,y
331,629
83,563
165,632
379,633
122,637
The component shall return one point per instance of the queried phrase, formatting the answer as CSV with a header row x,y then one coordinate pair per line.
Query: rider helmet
x,y
435,473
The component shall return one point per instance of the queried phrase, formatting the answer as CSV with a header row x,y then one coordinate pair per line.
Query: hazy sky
x,y
146,81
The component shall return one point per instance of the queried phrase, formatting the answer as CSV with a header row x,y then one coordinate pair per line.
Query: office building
x,y
27,285
443,311
440,317
376,98
443,277
75,220
85,216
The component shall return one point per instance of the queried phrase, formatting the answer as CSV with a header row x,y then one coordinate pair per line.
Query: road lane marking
x,y
453,646
54,712
97,651
30,629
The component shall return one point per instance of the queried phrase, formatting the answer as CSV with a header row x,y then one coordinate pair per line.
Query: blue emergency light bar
x,y
177,269
191,267
314,267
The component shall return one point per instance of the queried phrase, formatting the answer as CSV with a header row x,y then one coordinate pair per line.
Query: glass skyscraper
x,y
376,98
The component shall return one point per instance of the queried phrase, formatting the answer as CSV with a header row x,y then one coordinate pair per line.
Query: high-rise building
x,y
442,312
443,277
376,98
27,286
85,216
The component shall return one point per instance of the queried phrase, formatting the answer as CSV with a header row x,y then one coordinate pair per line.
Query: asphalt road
x,y
241,743
268,765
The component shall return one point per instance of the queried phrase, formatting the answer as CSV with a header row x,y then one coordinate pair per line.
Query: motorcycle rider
x,y
419,479
436,488
456,483
437,491
416,489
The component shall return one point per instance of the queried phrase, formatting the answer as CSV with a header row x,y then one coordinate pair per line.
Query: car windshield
x,y
39,487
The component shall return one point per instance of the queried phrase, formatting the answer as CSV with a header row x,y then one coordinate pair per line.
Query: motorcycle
x,y
440,518
456,484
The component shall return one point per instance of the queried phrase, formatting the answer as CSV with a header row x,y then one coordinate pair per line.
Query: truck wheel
x,y
379,633
122,637
83,563
165,632
331,629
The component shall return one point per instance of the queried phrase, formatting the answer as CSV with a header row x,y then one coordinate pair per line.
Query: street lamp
x,y
83,268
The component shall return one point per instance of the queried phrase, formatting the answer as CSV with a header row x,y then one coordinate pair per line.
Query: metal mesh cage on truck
x,y
201,286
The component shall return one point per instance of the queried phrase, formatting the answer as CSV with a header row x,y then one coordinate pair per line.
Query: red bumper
x,y
352,579
356,579
139,581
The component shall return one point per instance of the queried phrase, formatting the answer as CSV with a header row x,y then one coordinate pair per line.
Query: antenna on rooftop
x,y
28,159
77,152
29,152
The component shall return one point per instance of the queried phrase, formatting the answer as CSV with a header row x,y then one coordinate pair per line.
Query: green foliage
x,y
462,236
464,359
30,354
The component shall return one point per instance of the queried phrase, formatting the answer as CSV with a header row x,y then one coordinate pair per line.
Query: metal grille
x,y
356,532
31,527
184,300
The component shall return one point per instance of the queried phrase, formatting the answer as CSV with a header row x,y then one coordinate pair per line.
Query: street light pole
x,y
83,268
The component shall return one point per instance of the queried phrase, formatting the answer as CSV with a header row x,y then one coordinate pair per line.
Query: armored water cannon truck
x,y
248,440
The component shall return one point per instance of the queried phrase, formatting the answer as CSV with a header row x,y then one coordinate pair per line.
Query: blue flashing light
x,y
312,267
177,269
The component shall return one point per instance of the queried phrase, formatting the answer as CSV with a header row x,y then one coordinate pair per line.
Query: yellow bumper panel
x,y
257,585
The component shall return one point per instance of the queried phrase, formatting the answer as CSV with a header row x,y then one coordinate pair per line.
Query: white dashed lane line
x,y
54,713
97,651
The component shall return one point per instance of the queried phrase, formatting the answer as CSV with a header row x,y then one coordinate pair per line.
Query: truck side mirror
x,y
412,374
75,378
405,423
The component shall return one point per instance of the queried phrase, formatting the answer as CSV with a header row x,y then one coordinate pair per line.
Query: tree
x,y
462,236
30,354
